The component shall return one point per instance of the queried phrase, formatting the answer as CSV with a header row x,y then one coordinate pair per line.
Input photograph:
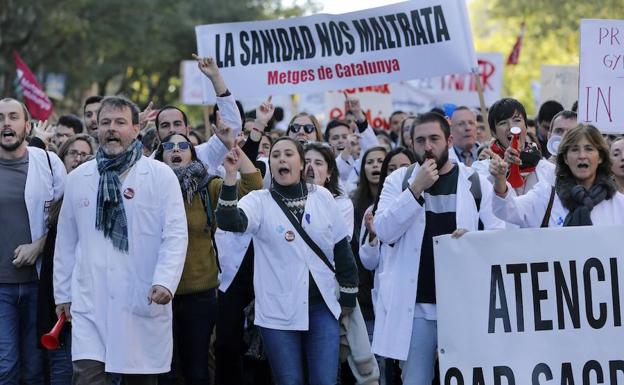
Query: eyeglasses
x,y
76,153
182,146
308,128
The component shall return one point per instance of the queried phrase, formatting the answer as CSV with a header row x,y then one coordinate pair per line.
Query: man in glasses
x,y
171,119
120,251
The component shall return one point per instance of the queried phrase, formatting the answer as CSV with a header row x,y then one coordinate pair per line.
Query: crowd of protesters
x,y
256,256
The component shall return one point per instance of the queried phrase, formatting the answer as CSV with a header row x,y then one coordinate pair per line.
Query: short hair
x,y
548,110
91,100
438,110
573,136
24,108
564,114
62,153
71,121
395,113
120,102
213,115
333,124
432,117
165,108
504,109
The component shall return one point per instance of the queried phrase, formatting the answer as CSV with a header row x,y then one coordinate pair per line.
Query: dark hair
x,y
438,110
530,122
91,100
570,138
165,108
504,109
326,152
395,113
363,197
119,103
198,135
575,106
547,110
333,124
24,109
159,152
149,138
213,116
384,168
432,117
564,114
62,152
403,124
298,146
71,121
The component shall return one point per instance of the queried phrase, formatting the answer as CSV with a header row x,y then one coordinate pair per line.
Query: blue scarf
x,y
110,215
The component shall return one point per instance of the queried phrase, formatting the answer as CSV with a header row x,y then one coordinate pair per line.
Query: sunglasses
x,y
182,146
308,128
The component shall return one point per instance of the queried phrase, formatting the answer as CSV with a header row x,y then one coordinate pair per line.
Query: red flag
x,y
515,52
38,103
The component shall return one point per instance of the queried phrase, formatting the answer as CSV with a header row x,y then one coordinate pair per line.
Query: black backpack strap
x,y
50,165
293,220
408,173
551,200
475,190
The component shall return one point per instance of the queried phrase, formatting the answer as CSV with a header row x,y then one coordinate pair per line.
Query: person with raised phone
x,y
416,204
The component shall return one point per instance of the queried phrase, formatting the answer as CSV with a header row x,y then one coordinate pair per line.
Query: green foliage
x,y
116,46
551,36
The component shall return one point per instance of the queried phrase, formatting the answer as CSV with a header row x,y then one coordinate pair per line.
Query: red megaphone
x,y
514,178
50,341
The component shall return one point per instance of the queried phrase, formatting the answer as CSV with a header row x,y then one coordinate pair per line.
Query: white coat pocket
x,y
384,294
280,307
140,305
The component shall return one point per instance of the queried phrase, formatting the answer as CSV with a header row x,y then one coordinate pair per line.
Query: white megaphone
x,y
553,144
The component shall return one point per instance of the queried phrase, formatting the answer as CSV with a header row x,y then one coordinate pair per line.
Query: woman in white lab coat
x,y
584,193
296,306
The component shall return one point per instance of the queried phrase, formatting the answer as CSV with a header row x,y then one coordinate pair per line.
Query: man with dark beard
x,y
120,249
90,111
30,181
416,204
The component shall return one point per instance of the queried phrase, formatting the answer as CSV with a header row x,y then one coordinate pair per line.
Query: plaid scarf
x,y
193,178
111,216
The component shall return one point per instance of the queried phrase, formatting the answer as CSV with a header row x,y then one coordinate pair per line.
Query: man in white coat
x,y
120,250
417,204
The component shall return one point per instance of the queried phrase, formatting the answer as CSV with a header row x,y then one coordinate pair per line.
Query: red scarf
x,y
500,151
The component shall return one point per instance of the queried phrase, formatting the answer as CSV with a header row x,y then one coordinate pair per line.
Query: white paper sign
x,y
532,306
559,83
408,40
192,92
460,89
601,75
376,103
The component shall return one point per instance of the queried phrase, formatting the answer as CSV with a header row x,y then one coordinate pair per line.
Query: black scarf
x,y
580,201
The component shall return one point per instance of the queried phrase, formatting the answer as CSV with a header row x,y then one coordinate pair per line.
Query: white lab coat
x,y
43,186
348,170
545,170
400,220
282,267
232,249
112,321
528,210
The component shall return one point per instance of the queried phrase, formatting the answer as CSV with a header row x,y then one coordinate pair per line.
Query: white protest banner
x,y
459,89
192,92
408,40
376,103
601,75
531,306
560,83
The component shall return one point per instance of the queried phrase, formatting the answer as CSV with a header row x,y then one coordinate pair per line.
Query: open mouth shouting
x,y
176,160
310,173
8,133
